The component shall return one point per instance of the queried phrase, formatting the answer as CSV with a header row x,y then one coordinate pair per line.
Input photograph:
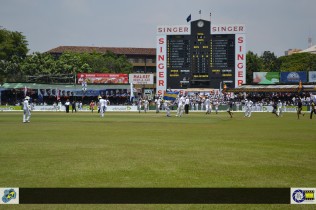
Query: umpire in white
x,y
26,110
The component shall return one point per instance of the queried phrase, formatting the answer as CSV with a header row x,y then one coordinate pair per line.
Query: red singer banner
x,y
99,78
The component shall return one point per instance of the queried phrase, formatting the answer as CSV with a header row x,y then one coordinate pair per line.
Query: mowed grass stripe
x,y
151,150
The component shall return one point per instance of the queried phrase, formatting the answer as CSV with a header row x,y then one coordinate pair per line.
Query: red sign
x,y
100,78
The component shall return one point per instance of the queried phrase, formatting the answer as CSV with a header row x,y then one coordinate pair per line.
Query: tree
x,y
106,63
253,64
298,62
13,49
270,62
123,65
69,63
39,66
10,70
12,44
96,62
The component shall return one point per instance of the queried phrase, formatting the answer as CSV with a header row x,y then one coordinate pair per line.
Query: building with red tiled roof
x,y
143,59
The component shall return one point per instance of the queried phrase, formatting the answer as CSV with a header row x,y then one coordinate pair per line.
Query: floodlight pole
x,y
75,84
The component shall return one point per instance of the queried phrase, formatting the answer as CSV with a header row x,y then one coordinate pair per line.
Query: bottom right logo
x,y
303,196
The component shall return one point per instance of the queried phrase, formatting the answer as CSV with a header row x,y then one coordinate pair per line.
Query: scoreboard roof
x,y
115,50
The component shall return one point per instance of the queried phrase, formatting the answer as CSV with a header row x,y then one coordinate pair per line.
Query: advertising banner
x,y
99,78
240,59
293,77
266,78
121,108
161,59
228,29
10,108
141,79
312,76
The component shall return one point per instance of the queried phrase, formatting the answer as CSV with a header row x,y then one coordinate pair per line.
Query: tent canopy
x,y
64,87
272,88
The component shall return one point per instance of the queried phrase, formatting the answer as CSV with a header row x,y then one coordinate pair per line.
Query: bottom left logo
x,y
9,195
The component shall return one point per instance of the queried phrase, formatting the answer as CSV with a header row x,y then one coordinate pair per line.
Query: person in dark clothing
x,y
230,108
67,104
186,105
313,110
299,108
275,106
73,105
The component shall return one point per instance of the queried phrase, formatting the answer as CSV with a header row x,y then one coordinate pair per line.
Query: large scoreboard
x,y
200,55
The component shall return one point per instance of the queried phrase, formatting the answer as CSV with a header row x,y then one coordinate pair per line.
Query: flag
x,y
300,87
224,88
84,86
189,18
25,91
58,94
170,96
132,93
200,12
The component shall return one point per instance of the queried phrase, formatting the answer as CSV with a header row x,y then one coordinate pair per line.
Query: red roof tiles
x,y
115,50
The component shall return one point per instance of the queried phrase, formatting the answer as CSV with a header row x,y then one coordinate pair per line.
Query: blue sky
x,y
274,25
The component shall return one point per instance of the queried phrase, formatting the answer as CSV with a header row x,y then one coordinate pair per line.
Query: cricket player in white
x,y
280,108
26,110
103,106
208,105
180,109
167,107
158,103
146,103
248,108
139,105
216,104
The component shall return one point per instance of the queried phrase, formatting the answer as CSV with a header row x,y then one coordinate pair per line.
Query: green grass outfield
x,y
151,150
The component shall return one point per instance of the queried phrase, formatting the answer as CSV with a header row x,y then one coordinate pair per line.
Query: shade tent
x,y
312,50
273,88
13,93
64,87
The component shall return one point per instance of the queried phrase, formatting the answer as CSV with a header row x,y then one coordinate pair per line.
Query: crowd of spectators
x,y
15,97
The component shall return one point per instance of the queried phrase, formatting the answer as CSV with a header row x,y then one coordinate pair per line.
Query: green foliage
x,y
298,62
270,62
16,66
107,63
96,62
253,64
10,70
12,43
13,49
69,63
38,64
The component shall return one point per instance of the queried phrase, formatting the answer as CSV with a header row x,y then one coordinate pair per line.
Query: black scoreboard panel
x,y
200,54
200,60
178,61
222,59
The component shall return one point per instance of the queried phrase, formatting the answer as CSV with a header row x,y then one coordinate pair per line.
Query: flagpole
x,y
132,93
25,91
